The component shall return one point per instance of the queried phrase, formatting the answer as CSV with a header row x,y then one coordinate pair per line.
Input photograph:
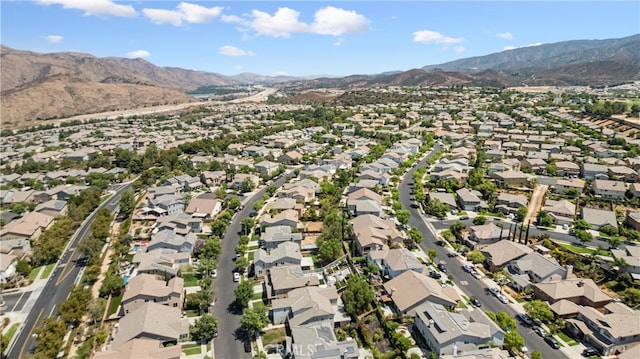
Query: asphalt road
x,y
59,283
14,302
469,285
229,343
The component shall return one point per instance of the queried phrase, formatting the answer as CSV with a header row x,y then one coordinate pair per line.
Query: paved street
x,y
229,343
469,285
14,302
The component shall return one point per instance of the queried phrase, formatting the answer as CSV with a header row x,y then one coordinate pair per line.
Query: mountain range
x,y
36,87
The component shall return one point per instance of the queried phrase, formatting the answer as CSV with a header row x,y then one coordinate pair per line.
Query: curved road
x,y
469,285
60,282
229,343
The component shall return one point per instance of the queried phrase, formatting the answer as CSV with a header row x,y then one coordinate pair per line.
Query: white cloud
x,y
281,24
237,67
434,37
185,12
286,21
336,22
459,49
94,7
229,50
138,54
509,48
54,39
505,35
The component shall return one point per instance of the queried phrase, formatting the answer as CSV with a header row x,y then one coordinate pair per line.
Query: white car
x,y
502,298
214,274
236,277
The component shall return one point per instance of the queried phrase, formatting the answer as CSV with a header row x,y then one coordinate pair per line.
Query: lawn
x,y
567,339
252,248
12,331
115,303
190,279
191,349
34,273
192,313
257,296
274,336
47,271
251,256
584,250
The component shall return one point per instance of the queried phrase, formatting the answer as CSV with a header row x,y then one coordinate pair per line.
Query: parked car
x,y
467,268
539,331
493,290
475,274
464,218
525,319
502,299
435,275
476,302
236,276
552,342
214,273
247,347
587,352
442,267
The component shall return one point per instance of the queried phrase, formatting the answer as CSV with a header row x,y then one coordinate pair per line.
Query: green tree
x,y
244,292
414,238
480,220
234,203
513,340
539,310
403,216
432,253
50,338
521,213
583,236
204,328
536,355
456,229
357,296
609,230
476,257
544,219
111,284
127,202
254,318
581,224
330,250
211,248
242,264
75,306
22,267
436,208
632,297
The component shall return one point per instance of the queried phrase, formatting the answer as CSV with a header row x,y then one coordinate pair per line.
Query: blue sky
x,y
305,37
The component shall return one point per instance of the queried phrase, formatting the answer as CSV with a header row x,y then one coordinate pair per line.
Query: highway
x,y
229,343
59,284
469,285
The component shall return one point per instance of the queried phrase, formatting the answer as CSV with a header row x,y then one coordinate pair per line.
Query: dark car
x,y
589,352
476,302
525,319
434,274
440,243
247,347
442,267
552,342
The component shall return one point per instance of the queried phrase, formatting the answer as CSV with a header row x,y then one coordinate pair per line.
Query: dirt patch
x,y
314,227
310,239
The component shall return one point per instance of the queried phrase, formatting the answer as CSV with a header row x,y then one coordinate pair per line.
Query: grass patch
x,y
462,305
34,273
253,248
47,271
250,255
584,250
192,313
12,331
274,336
115,303
191,349
567,339
190,279
104,198
256,296
520,300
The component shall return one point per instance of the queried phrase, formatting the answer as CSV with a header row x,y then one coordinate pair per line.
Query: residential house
x,y
282,280
509,203
364,201
186,182
469,200
535,268
152,321
167,204
205,206
267,168
444,198
456,332
562,211
275,235
140,348
393,262
161,262
30,227
631,256
180,223
609,189
633,220
372,232
255,151
482,235
564,185
145,288
634,190
54,208
499,254
239,178
567,168
307,183
511,179
410,290
614,331
306,305
592,171
284,254
318,340
168,239
623,173
290,157
581,291
287,218
535,165
213,178
598,218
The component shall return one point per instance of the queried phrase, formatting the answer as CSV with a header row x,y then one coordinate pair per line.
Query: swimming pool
x,y
135,248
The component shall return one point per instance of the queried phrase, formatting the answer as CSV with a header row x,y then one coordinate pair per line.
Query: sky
x,y
303,38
